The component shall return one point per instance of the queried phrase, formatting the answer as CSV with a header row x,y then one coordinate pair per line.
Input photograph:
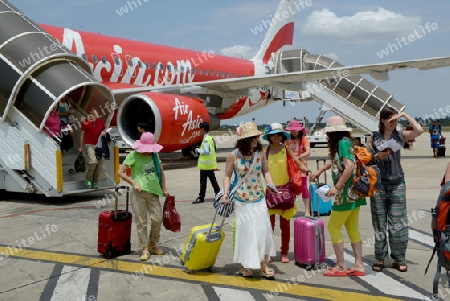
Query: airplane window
x,y
117,61
130,63
206,72
226,74
169,68
140,64
154,65
161,66
94,58
200,71
147,64
84,57
211,72
188,70
221,73
194,71
182,69
103,60
217,73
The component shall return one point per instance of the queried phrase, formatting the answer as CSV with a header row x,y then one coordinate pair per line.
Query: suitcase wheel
x,y
109,253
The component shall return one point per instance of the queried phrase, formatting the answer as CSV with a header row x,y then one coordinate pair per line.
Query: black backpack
x,y
79,165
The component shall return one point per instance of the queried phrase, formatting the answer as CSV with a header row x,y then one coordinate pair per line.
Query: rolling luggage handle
x,y
316,181
212,237
116,204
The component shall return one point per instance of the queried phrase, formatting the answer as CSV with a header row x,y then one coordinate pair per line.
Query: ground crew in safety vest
x,y
207,163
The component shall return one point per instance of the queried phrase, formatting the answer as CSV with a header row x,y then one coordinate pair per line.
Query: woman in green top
x,y
346,203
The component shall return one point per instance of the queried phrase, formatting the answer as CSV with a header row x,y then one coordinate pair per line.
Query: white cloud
x,y
240,51
366,25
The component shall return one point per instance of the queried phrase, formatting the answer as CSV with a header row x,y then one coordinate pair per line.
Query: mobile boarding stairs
x,y
354,98
30,160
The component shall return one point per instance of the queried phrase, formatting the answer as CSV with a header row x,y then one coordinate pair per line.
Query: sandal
x,y
378,267
267,273
400,266
332,272
245,272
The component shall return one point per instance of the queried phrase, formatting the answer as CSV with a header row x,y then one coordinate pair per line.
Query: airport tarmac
x,y
48,247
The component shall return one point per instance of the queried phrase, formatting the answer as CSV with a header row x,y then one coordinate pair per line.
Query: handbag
x,y
225,210
294,173
285,199
171,218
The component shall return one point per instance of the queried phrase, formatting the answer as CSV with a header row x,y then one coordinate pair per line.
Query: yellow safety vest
x,y
208,161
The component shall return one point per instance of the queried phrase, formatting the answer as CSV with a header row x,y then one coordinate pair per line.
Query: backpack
x,y
440,225
79,165
367,180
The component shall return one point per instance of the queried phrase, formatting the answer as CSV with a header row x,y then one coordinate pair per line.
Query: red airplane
x,y
175,89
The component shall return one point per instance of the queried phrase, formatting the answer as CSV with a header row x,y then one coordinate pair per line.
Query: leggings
x,y
351,220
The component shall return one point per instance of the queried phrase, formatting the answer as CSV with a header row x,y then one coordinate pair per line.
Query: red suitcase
x,y
114,229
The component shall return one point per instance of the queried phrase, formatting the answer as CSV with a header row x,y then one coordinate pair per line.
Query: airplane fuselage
x,y
135,63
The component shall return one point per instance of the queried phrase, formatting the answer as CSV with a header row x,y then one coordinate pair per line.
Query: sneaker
x,y
145,256
155,250
94,186
88,183
284,259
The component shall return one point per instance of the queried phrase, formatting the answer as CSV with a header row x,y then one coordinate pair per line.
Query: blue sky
x,y
353,32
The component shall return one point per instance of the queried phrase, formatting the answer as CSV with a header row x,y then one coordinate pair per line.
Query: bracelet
x,y
338,187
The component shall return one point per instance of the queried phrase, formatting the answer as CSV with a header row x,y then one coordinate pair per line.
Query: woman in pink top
x,y
53,123
300,146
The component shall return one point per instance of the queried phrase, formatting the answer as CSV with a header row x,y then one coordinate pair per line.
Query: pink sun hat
x,y
336,124
147,144
294,125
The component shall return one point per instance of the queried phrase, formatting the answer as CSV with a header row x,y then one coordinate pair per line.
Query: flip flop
x,y
352,272
332,272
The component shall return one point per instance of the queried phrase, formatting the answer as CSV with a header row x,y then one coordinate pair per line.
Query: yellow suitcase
x,y
202,246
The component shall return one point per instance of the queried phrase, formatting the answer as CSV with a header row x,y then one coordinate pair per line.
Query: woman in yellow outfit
x,y
277,156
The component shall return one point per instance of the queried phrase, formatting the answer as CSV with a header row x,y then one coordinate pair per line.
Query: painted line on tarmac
x,y
421,237
137,269
232,294
73,282
381,282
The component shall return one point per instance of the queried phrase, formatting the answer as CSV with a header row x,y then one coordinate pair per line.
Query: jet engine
x,y
174,119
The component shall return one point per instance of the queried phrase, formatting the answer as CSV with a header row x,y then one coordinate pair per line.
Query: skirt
x,y
254,235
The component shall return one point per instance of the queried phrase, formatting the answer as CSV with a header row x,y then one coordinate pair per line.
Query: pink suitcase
x,y
309,242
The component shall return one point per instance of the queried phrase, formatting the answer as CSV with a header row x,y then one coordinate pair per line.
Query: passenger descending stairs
x,y
354,98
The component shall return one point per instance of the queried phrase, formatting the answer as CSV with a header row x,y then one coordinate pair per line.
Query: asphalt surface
x,y
48,247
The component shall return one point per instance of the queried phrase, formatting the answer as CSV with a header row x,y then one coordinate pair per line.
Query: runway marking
x,y
229,294
420,237
382,282
72,284
293,289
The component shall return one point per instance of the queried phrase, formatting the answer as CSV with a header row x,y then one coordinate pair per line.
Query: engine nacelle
x,y
174,119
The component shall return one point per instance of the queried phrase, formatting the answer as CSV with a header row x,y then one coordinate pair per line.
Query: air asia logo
x,y
130,69
182,109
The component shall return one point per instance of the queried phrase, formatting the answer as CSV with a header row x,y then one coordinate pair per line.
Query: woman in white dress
x,y
254,235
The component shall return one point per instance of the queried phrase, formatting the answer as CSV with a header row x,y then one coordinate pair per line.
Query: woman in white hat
x,y
277,155
346,203
300,147
148,186
254,237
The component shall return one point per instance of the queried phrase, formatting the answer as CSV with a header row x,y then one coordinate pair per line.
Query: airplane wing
x,y
238,85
